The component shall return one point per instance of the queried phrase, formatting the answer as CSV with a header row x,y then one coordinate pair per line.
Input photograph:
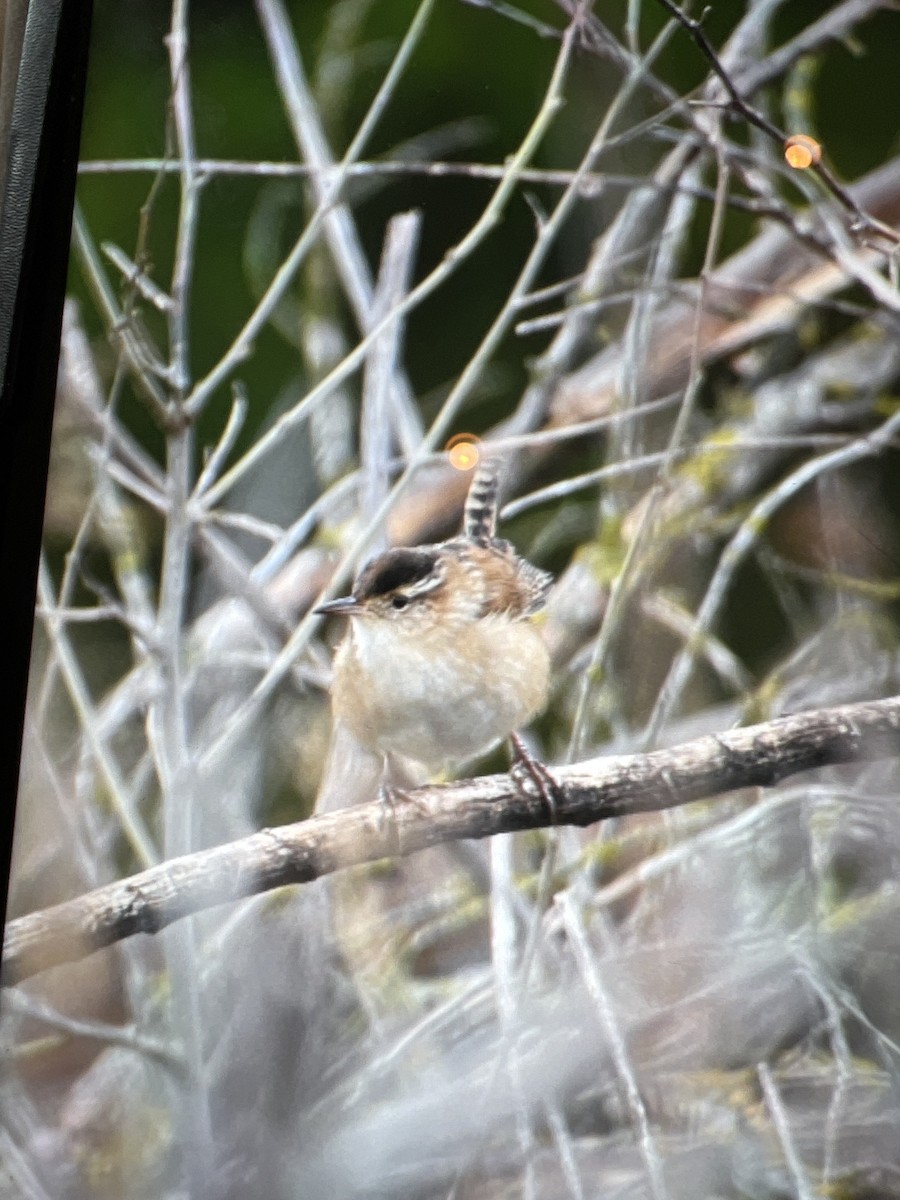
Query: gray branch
x,y
758,756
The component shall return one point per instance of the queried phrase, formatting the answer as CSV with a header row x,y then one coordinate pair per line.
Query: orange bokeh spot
x,y
802,151
463,451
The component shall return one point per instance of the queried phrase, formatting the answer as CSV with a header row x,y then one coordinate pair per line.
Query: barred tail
x,y
481,502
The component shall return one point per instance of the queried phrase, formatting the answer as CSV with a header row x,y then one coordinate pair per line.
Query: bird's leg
x,y
398,783
527,770
387,802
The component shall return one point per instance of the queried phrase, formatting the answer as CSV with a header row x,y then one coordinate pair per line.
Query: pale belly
x,y
402,698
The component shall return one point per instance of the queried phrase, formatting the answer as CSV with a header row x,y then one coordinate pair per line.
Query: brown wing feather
x,y
537,585
510,584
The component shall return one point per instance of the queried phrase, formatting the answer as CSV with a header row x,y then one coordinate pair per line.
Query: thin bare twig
x,y
863,221
750,531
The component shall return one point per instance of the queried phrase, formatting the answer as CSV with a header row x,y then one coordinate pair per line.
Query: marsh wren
x,y
443,658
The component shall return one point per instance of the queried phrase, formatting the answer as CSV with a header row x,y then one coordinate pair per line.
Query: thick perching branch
x,y
758,756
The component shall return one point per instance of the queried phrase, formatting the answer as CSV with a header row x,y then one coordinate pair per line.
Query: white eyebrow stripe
x,y
422,586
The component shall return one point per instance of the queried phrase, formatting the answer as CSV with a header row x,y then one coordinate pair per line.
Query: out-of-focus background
x,y
312,243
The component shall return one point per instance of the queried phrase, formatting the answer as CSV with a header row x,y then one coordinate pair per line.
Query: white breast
x,y
441,708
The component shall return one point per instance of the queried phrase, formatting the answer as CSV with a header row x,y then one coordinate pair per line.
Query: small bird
x,y
443,658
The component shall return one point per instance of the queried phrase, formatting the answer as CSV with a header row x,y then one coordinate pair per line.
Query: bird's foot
x,y
390,795
529,775
388,798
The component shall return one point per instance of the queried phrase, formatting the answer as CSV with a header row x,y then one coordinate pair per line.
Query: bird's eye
x,y
399,601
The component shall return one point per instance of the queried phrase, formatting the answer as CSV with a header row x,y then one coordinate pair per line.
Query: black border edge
x,y
35,228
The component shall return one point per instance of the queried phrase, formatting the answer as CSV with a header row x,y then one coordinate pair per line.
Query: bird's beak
x,y
346,606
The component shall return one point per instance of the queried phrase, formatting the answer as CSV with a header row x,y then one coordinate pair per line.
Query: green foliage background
x,y
475,64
